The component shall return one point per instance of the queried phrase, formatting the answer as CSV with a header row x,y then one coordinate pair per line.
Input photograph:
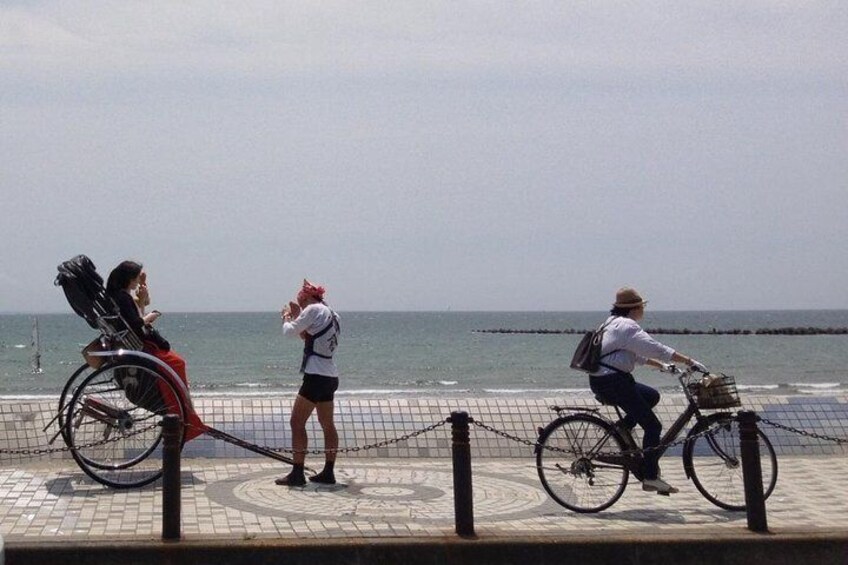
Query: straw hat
x,y
628,297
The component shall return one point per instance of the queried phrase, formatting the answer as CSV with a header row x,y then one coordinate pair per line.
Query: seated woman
x,y
124,281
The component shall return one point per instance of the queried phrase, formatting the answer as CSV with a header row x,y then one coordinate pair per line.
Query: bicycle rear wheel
x,y
580,464
715,464
113,424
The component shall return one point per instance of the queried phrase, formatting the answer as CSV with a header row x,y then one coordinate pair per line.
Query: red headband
x,y
310,289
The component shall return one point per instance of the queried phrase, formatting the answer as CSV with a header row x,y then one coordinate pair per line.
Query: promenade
x,y
50,512
379,498
395,504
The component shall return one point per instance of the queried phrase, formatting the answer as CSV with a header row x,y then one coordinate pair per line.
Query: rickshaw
x,y
111,408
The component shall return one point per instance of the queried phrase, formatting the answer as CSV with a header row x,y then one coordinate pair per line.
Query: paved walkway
x,y
390,498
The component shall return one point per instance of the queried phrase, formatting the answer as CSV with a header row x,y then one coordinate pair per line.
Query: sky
x,y
428,155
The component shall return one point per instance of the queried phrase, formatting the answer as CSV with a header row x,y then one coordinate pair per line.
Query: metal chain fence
x,y
814,435
629,452
352,449
427,429
49,450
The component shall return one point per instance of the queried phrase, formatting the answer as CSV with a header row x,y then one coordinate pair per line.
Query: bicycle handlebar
x,y
675,370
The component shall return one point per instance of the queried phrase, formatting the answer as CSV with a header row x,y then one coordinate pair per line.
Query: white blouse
x,y
634,345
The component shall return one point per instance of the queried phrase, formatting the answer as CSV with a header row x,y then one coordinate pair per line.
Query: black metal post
x,y
463,502
172,438
752,472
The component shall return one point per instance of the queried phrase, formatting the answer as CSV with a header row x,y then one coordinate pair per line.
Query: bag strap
x,y
610,367
601,328
611,352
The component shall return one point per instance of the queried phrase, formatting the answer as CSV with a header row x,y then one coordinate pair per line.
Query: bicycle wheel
x,y
113,424
715,464
580,463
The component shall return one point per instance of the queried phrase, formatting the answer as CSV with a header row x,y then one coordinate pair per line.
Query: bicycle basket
x,y
719,393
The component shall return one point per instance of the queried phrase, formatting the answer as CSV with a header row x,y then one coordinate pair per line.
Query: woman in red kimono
x,y
127,279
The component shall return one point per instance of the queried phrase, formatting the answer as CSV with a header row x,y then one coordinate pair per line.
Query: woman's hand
x,y
698,366
142,295
294,309
152,317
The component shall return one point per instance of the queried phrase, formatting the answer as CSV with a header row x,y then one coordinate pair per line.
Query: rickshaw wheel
x,y
113,423
67,394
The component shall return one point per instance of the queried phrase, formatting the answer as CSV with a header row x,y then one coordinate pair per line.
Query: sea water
x,y
440,353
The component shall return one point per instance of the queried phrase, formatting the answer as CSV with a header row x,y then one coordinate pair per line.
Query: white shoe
x,y
659,486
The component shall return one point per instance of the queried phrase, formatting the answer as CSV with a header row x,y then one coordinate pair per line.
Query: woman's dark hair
x,y
120,277
616,311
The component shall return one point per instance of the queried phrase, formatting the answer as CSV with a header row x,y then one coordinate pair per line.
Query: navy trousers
x,y
637,401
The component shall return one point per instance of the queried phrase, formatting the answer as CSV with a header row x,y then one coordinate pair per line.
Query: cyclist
x,y
625,344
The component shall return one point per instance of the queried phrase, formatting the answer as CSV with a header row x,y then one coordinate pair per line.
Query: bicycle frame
x,y
631,461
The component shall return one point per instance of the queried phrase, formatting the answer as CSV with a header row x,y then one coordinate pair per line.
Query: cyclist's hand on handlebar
x,y
698,366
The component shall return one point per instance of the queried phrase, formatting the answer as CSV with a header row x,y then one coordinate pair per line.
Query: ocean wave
x,y
537,391
28,397
815,385
411,393
758,387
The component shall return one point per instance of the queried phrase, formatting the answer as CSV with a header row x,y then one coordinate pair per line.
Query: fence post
x,y
463,502
172,436
752,472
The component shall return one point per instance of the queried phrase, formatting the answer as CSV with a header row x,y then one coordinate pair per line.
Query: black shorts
x,y
318,388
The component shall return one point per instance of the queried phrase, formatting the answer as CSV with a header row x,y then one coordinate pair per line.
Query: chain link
x,y
630,452
803,432
352,449
50,450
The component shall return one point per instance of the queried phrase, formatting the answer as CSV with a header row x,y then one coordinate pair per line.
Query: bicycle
x,y
584,459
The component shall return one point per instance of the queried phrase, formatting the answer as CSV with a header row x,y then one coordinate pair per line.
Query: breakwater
x,y
685,331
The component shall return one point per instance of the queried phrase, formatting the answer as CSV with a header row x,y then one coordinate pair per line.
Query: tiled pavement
x,y
390,498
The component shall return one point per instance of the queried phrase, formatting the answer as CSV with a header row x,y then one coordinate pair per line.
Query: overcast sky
x,y
428,155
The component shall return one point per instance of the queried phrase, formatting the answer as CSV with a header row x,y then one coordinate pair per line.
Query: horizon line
x,y
446,311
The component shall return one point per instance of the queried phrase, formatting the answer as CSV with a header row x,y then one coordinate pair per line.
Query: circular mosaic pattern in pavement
x,y
404,492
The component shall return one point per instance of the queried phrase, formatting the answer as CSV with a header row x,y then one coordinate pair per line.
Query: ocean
x,y
397,354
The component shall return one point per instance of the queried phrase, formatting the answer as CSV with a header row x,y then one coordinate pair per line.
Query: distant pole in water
x,y
35,360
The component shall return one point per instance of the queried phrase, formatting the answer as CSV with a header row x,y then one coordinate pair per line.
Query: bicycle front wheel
x,y
580,463
714,462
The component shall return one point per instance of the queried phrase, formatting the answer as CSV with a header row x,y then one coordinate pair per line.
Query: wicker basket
x,y
720,393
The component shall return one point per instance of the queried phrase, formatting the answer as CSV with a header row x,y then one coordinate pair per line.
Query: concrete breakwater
x,y
685,331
